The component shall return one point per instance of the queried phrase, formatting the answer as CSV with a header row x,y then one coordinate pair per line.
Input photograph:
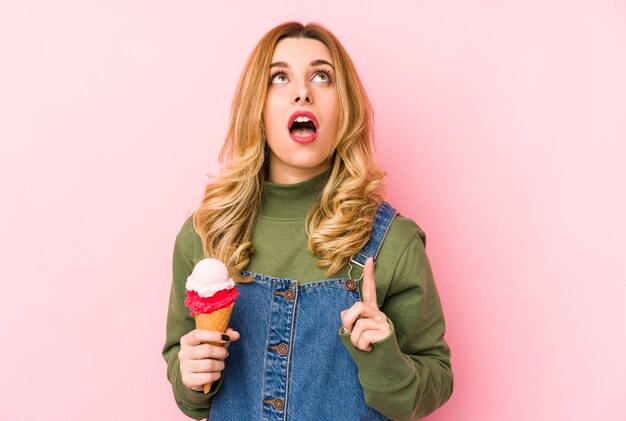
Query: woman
x,y
298,217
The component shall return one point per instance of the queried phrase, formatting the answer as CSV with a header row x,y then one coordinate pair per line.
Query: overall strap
x,y
382,221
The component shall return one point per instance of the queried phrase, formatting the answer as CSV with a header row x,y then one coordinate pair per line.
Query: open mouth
x,y
303,127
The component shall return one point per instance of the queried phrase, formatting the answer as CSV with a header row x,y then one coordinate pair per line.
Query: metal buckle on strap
x,y
357,263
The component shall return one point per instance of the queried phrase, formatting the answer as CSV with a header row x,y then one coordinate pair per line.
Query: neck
x,y
290,175
291,200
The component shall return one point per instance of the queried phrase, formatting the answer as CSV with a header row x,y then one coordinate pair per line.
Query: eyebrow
x,y
313,63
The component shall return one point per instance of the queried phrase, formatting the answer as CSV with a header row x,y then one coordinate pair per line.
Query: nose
x,y
301,94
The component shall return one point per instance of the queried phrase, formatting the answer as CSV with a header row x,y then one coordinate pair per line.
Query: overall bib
x,y
290,363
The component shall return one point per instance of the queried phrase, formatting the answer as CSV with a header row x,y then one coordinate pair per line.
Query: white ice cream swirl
x,y
208,277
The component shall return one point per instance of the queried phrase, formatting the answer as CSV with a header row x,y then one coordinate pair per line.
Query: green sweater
x,y
405,376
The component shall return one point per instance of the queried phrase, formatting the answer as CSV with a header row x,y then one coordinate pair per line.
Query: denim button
x,y
283,349
350,284
289,294
278,404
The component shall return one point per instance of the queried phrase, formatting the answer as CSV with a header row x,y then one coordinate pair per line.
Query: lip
x,y
307,139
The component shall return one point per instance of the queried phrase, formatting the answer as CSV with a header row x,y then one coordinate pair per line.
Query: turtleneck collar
x,y
291,201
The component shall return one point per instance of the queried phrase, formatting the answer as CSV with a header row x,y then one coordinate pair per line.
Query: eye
x,y
278,77
323,76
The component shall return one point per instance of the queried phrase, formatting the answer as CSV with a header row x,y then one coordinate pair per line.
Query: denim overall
x,y
290,363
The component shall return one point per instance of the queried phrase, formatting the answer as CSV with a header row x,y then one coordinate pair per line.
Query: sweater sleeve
x,y
408,374
179,322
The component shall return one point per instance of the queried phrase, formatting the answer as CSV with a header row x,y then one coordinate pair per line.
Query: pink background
x,y
502,126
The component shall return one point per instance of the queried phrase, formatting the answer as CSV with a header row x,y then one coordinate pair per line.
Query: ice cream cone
x,y
217,321
211,295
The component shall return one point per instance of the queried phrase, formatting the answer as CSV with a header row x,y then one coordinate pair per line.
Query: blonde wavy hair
x,y
339,222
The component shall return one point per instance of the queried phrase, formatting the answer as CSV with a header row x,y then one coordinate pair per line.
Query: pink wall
x,y
502,126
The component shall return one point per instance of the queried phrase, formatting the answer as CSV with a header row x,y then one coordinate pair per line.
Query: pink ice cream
x,y
209,287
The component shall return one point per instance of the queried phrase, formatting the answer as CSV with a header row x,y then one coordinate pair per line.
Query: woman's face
x,y
301,88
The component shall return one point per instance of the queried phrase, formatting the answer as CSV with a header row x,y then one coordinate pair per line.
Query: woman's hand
x,y
200,361
366,322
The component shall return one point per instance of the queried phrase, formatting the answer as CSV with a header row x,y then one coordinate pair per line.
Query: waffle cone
x,y
217,321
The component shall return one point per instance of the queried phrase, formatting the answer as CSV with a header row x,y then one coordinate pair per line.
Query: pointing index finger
x,y
369,284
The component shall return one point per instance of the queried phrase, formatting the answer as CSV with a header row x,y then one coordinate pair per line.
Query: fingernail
x,y
225,338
